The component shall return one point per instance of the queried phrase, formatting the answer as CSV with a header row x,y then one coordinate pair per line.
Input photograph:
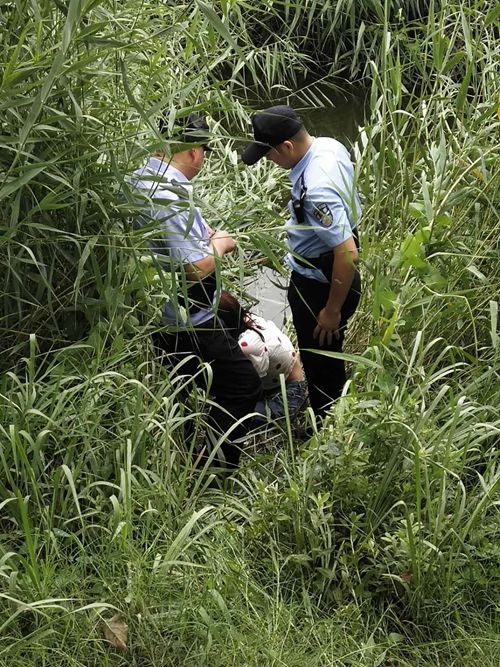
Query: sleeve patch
x,y
323,215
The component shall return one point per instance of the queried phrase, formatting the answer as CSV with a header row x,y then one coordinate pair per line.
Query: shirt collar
x,y
302,163
163,166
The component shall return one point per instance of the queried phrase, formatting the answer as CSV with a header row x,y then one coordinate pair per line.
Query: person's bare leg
x,y
296,373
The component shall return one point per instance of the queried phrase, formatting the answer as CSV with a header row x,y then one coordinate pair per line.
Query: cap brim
x,y
255,152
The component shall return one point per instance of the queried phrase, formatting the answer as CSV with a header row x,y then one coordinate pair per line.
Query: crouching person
x,y
192,253
272,354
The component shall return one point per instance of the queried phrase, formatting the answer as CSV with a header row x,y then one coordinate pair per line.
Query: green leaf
x,y
353,358
495,338
476,272
217,24
17,183
493,16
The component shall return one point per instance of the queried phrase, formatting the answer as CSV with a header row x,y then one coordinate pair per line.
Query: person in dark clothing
x,y
191,252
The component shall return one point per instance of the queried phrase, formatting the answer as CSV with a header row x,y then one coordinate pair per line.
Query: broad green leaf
x,y
15,184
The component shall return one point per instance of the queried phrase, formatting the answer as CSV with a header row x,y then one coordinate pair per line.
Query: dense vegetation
x,y
376,543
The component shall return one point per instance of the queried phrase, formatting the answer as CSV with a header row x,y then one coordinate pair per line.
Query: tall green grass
x,y
374,543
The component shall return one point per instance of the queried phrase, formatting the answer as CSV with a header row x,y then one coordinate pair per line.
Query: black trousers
x,y
235,386
325,375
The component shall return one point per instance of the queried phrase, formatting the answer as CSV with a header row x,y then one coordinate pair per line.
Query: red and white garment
x,y
272,354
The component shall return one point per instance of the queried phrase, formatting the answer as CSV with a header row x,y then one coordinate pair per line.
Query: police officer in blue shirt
x,y
191,252
324,212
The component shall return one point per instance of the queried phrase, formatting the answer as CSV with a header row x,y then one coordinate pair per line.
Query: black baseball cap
x,y
192,130
270,128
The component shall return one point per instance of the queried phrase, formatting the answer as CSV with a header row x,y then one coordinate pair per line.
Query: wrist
x,y
218,247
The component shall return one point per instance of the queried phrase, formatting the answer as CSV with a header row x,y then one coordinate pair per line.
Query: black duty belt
x,y
323,262
314,262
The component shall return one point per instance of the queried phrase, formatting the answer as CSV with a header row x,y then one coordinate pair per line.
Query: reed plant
x,y
376,542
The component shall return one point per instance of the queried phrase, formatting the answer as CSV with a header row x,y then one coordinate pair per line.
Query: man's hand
x,y
327,327
222,242
344,268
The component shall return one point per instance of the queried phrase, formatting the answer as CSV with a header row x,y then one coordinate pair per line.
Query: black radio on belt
x,y
299,204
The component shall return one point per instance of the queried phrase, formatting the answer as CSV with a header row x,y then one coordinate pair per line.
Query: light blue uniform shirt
x,y
167,197
331,208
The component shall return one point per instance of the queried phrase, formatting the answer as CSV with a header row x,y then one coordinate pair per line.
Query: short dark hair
x,y
191,130
300,135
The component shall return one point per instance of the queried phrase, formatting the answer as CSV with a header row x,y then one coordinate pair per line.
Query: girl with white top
x,y
271,352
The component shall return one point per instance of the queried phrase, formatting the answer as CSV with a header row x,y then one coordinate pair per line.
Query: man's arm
x,y
344,268
221,243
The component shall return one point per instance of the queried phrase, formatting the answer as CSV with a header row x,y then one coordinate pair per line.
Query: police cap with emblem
x,y
270,128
